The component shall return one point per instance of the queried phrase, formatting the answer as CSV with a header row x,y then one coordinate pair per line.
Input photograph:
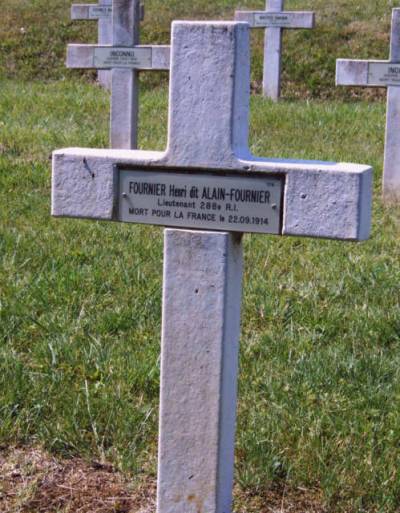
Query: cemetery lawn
x,y
34,35
80,303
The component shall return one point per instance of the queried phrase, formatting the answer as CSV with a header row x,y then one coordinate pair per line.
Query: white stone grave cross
x,y
102,12
382,74
208,184
125,57
274,19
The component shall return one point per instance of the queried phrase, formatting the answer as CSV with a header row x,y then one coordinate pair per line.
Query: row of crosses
x,y
124,113
274,19
207,155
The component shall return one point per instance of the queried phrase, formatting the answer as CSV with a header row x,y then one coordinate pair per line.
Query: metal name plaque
x,y
225,202
384,74
113,57
100,11
272,20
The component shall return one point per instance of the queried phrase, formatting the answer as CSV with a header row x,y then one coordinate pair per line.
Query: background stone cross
x,y
207,138
102,12
370,73
274,20
124,58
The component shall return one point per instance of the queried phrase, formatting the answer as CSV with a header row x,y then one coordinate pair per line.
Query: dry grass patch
x,y
33,481
280,499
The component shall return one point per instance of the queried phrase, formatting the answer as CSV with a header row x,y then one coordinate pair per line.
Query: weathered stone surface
x,y
198,370
80,56
208,119
350,72
86,191
325,205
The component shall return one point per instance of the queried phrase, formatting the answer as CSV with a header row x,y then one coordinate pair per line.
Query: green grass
x,y
80,304
34,35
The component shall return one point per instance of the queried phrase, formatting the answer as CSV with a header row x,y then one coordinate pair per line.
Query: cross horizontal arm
x,y
207,132
351,72
90,11
108,57
286,19
95,12
325,200
367,73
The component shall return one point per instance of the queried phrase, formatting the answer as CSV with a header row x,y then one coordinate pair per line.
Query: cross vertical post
x,y
199,370
272,55
125,82
105,38
391,167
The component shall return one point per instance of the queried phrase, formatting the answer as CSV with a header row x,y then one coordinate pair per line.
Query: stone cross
x,y
209,186
382,74
125,57
102,12
274,19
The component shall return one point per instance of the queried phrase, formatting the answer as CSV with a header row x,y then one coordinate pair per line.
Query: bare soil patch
x,y
33,481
